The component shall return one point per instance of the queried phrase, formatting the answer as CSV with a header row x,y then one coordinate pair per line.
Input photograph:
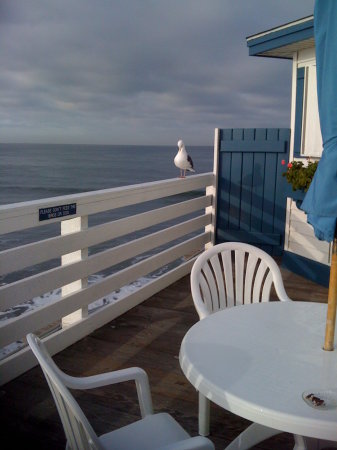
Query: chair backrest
x,y
79,433
234,273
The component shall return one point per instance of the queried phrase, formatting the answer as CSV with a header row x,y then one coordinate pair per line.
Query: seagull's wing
x,y
189,159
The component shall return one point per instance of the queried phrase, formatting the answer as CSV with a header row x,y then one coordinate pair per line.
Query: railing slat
x,y
27,255
47,281
16,328
19,216
20,362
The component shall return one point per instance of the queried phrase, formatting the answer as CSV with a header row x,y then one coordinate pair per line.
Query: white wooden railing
x,y
70,311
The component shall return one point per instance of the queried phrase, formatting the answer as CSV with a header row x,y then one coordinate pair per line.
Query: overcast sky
x,y
139,71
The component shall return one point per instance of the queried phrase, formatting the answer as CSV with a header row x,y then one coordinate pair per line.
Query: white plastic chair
x,y
153,431
226,275
232,274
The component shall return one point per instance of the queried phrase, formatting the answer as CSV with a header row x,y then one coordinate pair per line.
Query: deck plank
x,y
148,336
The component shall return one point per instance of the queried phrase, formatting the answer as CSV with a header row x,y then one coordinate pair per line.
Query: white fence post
x,y
67,227
212,190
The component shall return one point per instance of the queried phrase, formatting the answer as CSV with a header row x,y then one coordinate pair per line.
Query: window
x,y
311,142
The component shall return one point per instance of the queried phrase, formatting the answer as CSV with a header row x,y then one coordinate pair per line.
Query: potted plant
x,y
299,176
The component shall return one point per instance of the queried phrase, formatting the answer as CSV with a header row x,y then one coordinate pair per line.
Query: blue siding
x,y
307,268
299,112
251,200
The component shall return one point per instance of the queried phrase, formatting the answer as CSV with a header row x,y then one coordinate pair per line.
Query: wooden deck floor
x,y
148,336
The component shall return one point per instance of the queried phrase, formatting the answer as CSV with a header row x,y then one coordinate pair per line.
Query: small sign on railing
x,y
54,212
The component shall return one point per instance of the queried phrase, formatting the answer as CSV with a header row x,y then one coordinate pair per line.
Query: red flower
x,y
283,162
289,165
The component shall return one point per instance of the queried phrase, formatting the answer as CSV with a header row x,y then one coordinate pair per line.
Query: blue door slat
x,y
261,134
251,237
246,190
280,199
275,146
235,192
226,134
270,180
223,190
249,134
272,134
269,193
238,134
257,191
284,133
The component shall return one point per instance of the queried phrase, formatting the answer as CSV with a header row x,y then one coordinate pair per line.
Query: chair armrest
x,y
280,290
194,443
119,376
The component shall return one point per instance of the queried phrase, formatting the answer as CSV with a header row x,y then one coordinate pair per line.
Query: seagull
x,y
182,160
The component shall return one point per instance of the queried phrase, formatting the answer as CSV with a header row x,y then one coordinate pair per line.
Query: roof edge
x,y
280,27
281,36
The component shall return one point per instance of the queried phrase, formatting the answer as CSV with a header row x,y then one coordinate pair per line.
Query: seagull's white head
x,y
180,143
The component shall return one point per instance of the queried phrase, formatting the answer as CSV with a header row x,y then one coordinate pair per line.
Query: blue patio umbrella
x,y
320,202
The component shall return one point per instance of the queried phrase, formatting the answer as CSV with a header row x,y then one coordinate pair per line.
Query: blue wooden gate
x,y
251,203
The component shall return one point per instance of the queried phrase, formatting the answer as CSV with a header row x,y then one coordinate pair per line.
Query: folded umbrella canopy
x,y
320,202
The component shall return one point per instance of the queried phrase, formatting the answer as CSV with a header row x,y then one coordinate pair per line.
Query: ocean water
x,y
36,171
31,171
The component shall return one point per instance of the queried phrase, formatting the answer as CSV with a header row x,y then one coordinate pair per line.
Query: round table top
x,y
257,360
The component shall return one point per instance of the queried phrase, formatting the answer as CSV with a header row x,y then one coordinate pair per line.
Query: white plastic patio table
x,y
257,360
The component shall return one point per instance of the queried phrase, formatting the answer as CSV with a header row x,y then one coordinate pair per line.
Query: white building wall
x,y
299,235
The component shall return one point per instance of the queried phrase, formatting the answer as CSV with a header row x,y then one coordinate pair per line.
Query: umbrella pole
x,y
332,300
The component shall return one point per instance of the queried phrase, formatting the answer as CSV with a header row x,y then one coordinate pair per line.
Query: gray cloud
x,y
139,72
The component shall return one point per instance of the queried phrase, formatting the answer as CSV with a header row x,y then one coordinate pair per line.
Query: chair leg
x,y
306,443
256,433
204,415
251,436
